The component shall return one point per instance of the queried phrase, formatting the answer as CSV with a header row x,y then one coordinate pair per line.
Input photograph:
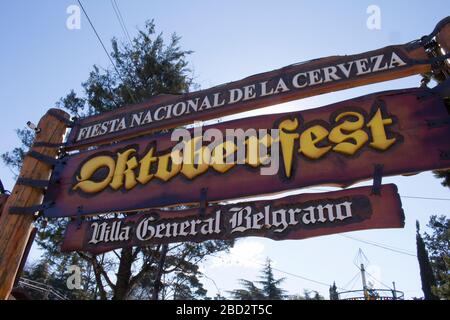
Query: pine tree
x,y
270,285
426,272
270,289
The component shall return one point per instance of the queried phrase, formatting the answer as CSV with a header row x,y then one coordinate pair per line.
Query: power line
x,y
425,198
291,274
378,245
121,20
401,196
304,278
106,51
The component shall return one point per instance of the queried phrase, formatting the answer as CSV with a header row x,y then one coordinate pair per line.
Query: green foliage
x,y
249,291
438,244
48,284
443,290
270,287
443,174
307,295
13,159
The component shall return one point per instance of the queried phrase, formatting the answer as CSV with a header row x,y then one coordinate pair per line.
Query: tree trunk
x,y
122,288
162,259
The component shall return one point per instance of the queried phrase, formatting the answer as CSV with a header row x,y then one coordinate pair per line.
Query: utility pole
x,y
15,229
394,291
363,277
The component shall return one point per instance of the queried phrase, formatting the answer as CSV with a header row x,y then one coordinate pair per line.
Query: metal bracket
x,y
49,145
436,123
425,40
41,184
203,201
79,219
30,210
43,158
377,179
442,90
445,155
61,118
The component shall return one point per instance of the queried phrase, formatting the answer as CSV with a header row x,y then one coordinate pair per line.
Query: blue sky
x,y
41,60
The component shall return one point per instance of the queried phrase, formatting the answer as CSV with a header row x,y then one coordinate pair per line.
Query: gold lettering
x,y
309,140
348,130
124,170
287,140
220,154
377,128
163,171
195,158
87,171
146,163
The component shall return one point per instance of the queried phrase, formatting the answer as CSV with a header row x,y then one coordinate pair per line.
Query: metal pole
x,y
363,277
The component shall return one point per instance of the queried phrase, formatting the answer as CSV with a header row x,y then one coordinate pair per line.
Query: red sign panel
x,y
295,217
339,144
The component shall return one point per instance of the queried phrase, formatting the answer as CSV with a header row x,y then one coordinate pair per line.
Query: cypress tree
x,y
426,273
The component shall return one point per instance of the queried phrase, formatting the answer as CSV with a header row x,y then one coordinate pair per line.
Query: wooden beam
x,y
16,228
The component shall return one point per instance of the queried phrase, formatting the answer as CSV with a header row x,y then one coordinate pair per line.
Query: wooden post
x,y
15,229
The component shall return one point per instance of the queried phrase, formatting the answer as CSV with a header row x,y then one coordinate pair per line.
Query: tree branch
x,y
97,267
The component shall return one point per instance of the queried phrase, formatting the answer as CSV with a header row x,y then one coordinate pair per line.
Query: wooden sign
x,y
293,82
406,131
295,217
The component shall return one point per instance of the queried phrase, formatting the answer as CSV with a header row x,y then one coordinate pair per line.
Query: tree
x,y
47,284
249,291
144,68
443,174
426,273
307,295
438,245
333,292
270,287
